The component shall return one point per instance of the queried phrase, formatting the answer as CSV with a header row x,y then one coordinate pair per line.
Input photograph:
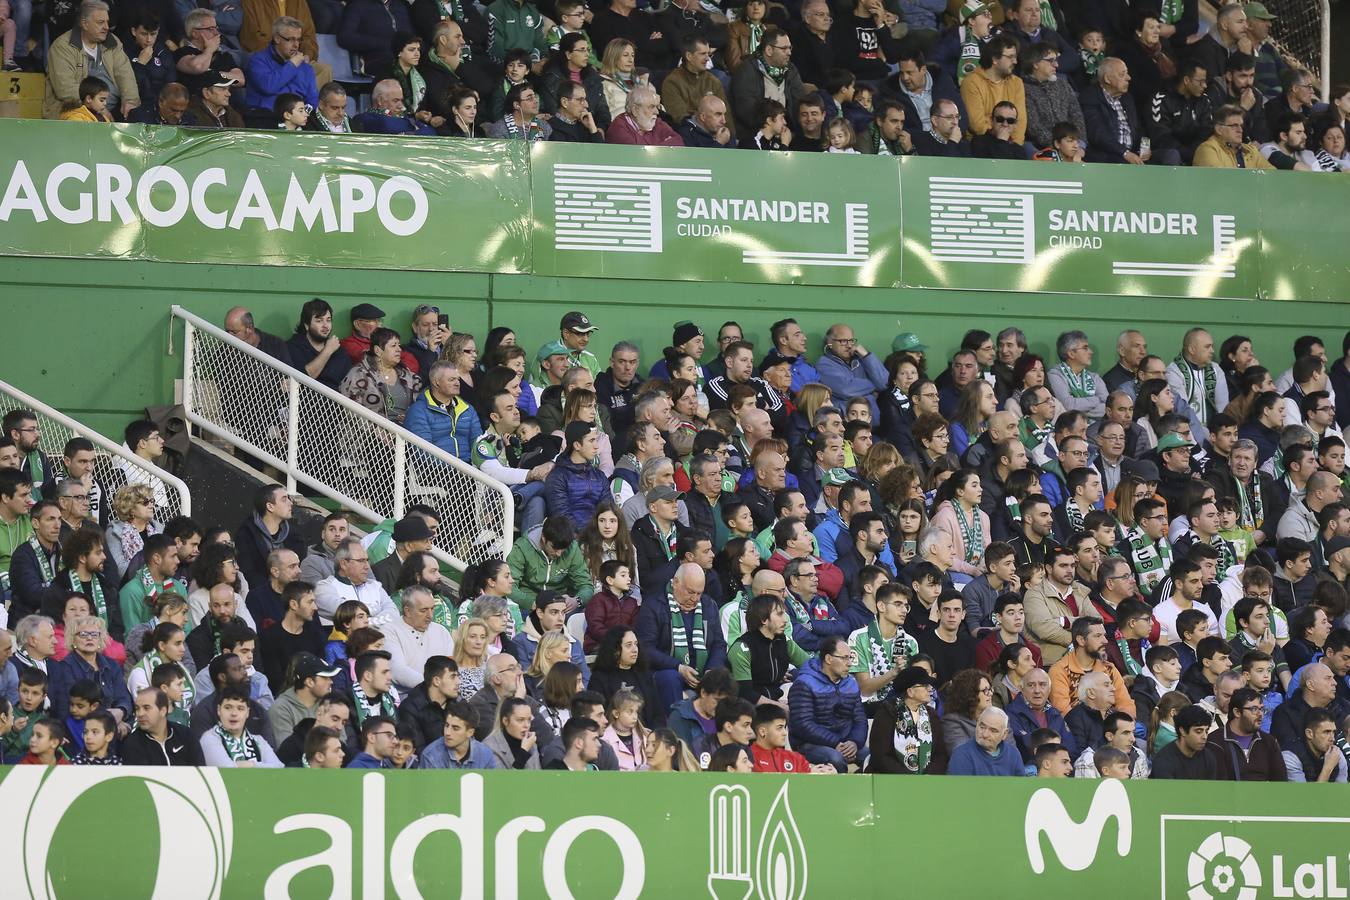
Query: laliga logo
x,y
1076,845
1222,877
780,862
191,805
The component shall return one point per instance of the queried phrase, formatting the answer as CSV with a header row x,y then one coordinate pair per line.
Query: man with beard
x,y
315,348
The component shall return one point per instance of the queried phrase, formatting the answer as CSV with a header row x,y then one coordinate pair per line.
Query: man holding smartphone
x,y
430,333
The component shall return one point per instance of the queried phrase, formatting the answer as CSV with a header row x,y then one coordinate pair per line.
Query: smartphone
x,y
909,548
443,320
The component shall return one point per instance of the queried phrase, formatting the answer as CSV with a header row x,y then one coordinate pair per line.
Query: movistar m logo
x,y
1075,844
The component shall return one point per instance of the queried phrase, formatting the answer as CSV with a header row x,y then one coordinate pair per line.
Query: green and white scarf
x,y
1228,556
1033,435
153,660
667,541
777,74
1133,669
913,737
1080,386
972,532
386,705
1150,561
95,593
1074,515
756,35
1048,16
887,655
1202,403
35,473
239,749
44,562
1251,510
681,642
1172,11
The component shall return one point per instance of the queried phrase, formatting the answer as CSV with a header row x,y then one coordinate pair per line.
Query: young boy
x,y
737,520
571,20
100,732
1111,763
1231,531
32,701
93,103
517,70
1134,624
85,699
1258,669
926,587
1010,619
769,750
1102,525
733,721
405,747
1193,625
1254,632
1092,50
1162,674
168,677
44,745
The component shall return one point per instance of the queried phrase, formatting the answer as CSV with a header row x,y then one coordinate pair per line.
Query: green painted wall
x,y
93,336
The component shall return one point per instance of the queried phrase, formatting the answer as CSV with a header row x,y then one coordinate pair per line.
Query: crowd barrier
x,y
210,833
174,195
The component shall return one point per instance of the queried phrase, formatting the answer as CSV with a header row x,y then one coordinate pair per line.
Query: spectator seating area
x,y
1124,561
1157,84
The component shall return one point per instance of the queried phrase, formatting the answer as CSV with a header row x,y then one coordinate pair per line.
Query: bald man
x,y
1113,127
707,125
681,636
770,478
239,323
389,113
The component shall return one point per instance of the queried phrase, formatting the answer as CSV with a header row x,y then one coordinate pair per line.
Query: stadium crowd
x,y
1055,80
744,560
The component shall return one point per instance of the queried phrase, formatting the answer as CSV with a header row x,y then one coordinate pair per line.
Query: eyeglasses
x,y
384,733
89,635
847,342
837,656
986,690
1253,709
209,29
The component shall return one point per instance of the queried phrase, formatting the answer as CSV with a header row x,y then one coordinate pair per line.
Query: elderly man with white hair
x,y
988,754
640,125
680,633
89,50
388,114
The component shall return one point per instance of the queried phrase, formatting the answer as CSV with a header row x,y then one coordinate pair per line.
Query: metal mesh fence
x,y
1297,32
111,471
373,467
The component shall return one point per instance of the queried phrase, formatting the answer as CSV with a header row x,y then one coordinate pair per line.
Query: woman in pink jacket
x,y
959,514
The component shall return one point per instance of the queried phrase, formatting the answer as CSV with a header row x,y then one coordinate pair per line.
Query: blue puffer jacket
x,y
453,428
825,713
575,490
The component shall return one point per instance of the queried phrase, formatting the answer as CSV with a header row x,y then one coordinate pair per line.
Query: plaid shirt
x,y
1122,122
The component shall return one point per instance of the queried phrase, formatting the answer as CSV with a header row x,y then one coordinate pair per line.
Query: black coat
x,y
179,749
1103,126
425,716
251,548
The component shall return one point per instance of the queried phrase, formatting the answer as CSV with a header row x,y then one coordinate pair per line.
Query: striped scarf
x,y
95,593
239,749
1081,385
1150,561
1200,388
690,648
154,660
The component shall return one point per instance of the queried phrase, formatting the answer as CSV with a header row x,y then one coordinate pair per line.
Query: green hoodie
x,y
534,572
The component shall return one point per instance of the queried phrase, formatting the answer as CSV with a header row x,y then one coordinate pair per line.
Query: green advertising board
x,y
1001,225
74,832
713,215
264,198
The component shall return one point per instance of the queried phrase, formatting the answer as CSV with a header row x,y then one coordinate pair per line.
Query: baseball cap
x,y
552,348
307,665
836,477
908,340
1258,11
575,321
411,528
216,78
366,311
663,492
972,8
1336,545
1172,441
773,358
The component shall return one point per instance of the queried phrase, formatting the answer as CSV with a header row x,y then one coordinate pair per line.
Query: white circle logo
x,y
1221,864
196,825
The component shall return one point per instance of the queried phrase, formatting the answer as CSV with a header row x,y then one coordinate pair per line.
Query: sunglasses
x,y
1004,120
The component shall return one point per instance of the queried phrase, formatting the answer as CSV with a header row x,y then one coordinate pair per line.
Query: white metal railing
x,y
337,447
111,460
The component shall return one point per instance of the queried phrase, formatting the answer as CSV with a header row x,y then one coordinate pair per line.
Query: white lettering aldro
x,y
163,197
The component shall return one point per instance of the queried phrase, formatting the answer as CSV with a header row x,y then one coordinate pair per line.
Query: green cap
x,y
1257,11
552,348
836,477
1172,441
972,8
907,340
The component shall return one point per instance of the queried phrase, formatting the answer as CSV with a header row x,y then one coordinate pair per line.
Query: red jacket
x,y
831,578
624,130
990,646
786,761
605,611
357,346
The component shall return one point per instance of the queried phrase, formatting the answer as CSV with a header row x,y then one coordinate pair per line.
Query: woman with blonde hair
x,y
462,350
1128,492
618,70
471,655
667,753
810,399
133,509
552,649
581,405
